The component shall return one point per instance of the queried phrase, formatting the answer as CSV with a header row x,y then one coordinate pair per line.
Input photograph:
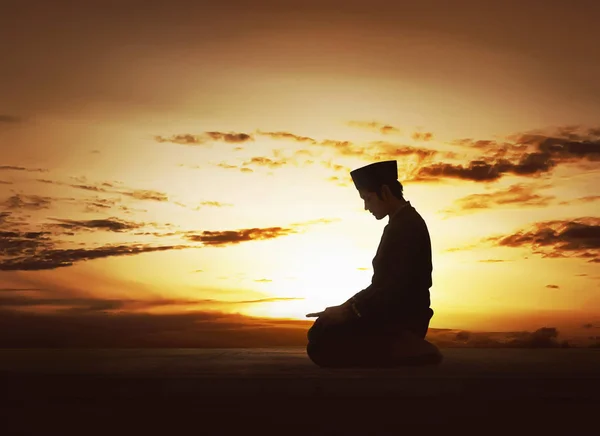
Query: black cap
x,y
374,175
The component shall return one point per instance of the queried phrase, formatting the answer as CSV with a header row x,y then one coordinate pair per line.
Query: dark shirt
x,y
402,271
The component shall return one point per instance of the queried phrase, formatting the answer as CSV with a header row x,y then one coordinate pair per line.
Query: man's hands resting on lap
x,y
335,314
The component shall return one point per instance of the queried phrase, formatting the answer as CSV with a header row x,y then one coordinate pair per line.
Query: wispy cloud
x,y
582,200
288,136
374,126
28,202
52,258
516,195
111,224
111,188
206,138
18,168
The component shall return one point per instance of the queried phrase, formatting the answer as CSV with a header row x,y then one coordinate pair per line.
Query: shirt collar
x,y
395,214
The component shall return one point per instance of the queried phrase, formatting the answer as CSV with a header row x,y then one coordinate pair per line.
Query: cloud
x,y
492,260
33,259
198,329
545,337
111,224
4,118
232,237
14,243
146,194
212,204
3,182
17,168
552,286
288,136
526,155
221,238
374,150
109,188
28,202
530,164
268,162
422,136
374,126
561,238
586,199
518,194
263,281
206,137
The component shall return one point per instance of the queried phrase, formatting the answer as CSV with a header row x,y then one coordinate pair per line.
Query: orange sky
x,y
176,158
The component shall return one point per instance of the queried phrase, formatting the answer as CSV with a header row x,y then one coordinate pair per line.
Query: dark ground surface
x,y
279,391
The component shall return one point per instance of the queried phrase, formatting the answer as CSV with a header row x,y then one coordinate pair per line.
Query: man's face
x,y
373,204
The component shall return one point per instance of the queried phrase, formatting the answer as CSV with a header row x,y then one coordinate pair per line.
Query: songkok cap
x,y
375,174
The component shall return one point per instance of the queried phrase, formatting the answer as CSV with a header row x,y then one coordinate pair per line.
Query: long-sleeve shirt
x,y
402,270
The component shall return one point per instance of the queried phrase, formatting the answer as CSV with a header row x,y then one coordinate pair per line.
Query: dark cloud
x,y
375,126
3,182
32,258
86,304
553,286
16,168
198,329
231,237
111,224
13,243
566,238
545,337
527,155
206,137
519,194
28,202
229,137
529,164
4,118
566,148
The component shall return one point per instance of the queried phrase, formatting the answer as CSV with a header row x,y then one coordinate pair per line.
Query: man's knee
x,y
318,355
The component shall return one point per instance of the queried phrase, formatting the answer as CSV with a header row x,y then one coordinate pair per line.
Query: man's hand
x,y
336,315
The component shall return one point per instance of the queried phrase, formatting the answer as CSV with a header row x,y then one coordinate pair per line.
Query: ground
x,y
279,391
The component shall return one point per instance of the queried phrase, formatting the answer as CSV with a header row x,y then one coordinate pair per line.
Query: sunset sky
x,y
188,159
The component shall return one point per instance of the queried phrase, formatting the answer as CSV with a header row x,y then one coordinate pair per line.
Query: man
x,y
386,323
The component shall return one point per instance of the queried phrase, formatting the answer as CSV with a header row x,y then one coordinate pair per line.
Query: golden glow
x,y
310,79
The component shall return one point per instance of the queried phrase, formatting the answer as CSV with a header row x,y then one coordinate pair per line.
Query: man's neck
x,y
396,207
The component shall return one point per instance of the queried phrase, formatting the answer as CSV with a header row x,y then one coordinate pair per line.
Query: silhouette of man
x,y
386,323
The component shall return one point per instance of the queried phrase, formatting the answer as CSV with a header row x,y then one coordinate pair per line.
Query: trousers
x,y
364,343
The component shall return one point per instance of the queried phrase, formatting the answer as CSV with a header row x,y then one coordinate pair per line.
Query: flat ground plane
x,y
280,391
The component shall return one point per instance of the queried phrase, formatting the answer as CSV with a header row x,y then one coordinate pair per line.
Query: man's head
x,y
378,186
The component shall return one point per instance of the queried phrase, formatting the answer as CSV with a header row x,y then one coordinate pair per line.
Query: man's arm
x,y
391,275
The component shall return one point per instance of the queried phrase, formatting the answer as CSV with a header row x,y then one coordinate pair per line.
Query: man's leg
x,y
352,344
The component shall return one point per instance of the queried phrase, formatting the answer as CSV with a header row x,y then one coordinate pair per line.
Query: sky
x,y
178,163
